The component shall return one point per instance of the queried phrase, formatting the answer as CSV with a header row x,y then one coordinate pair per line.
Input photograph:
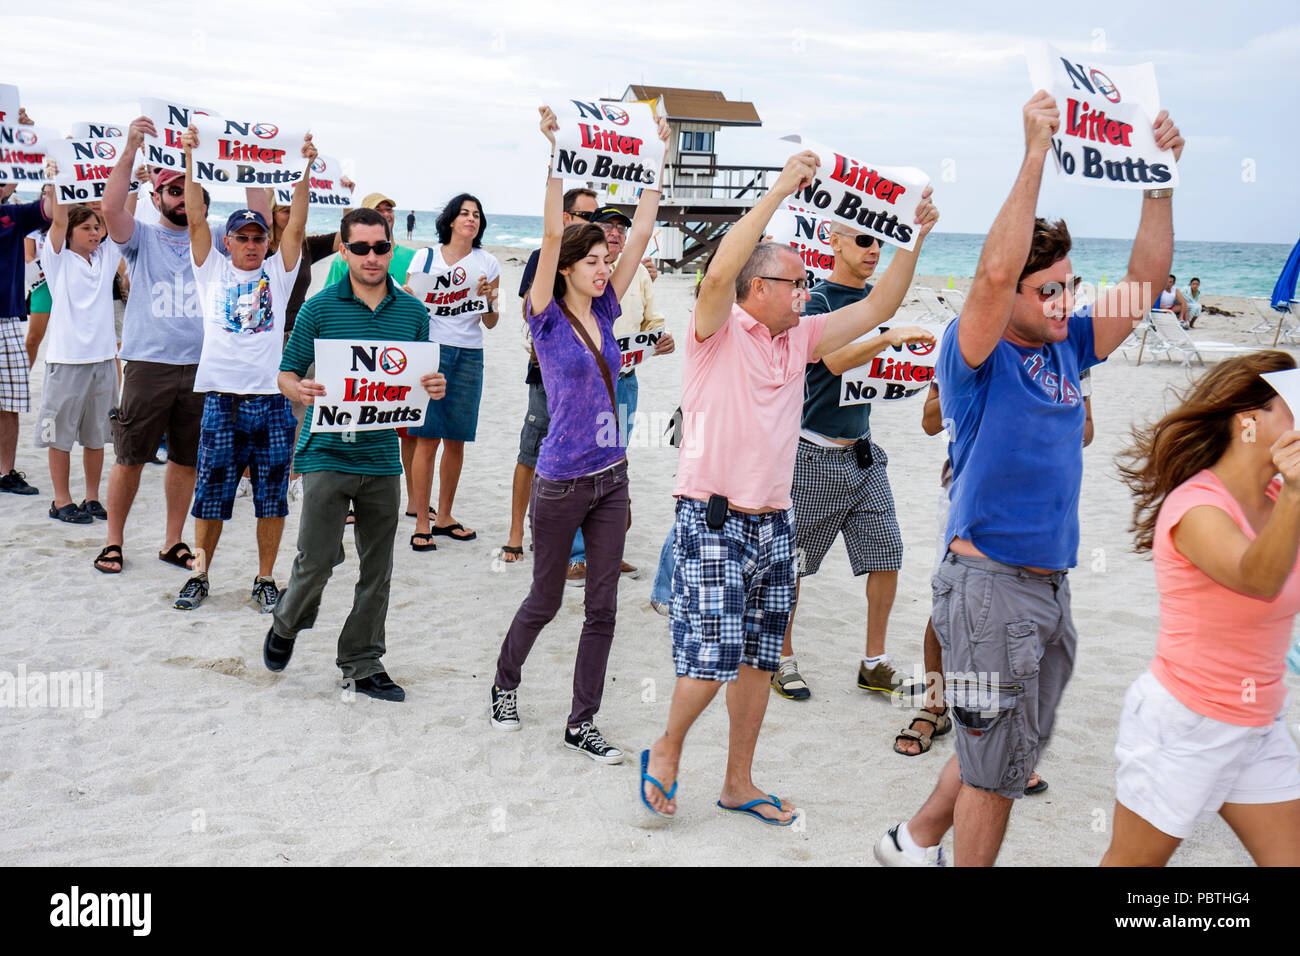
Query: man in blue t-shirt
x,y
1008,374
840,485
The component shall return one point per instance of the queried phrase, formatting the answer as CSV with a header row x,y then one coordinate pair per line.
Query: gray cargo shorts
x,y
1008,651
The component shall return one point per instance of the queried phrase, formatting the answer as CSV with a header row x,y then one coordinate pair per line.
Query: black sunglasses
x,y
862,242
174,190
797,283
584,216
380,248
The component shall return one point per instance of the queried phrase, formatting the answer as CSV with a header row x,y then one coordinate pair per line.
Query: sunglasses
x,y
380,248
1050,290
174,191
797,283
862,242
584,216
241,238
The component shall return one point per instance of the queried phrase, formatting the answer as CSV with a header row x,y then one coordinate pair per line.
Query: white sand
x,y
201,756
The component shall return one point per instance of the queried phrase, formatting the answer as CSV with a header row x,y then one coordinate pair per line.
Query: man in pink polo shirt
x,y
734,582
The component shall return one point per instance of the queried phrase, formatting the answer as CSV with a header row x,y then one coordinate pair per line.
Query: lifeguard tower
x,y
700,197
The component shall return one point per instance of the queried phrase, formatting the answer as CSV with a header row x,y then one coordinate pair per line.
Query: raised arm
x,y
988,307
718,287
643,226
296,229
59,221
541,291
200,234
846,324
121,220
1120,307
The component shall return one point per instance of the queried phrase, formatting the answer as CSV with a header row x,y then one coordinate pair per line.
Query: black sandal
x,y
510,549
178,554
428,543
111,553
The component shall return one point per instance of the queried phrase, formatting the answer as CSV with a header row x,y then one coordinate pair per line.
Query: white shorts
x,y
1176,766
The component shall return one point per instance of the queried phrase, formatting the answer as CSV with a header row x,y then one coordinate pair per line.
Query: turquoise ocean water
x,y
1244,269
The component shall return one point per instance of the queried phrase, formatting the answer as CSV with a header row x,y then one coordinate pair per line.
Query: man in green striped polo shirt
x,y
341,471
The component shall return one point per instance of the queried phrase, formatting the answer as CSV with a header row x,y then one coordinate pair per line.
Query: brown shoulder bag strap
x,y
600,361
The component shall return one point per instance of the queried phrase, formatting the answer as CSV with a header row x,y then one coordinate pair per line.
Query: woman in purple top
x,y
581,479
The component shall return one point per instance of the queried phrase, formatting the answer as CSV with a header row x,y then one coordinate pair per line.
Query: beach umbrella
x,y
1284,291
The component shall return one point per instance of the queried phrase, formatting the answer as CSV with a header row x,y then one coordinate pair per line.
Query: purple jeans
x,y
598,504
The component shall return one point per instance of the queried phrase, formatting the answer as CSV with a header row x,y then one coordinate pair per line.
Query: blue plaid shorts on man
x,y
244,431
733,590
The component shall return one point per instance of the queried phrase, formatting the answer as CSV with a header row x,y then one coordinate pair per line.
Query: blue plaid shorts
x,y
733,590
238,432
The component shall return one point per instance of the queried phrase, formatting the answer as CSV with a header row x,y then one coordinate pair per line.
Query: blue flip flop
x,y
646,778
748,808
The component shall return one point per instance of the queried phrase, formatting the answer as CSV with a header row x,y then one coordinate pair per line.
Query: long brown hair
x,y
579,239
1194,435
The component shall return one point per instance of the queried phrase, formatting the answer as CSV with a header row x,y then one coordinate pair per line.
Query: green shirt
x,y
335,313
401,261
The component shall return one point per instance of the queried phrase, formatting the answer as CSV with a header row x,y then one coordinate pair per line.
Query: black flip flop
x,y
517,552
449,532
178,554
1038,787
428,543
432,514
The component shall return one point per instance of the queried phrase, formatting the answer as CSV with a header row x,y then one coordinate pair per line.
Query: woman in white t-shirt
x,y
80,375
457,282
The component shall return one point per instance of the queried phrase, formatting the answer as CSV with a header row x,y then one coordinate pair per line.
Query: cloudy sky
x,y
431,100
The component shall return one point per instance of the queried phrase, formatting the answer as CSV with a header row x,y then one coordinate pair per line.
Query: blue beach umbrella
x,y
1284,291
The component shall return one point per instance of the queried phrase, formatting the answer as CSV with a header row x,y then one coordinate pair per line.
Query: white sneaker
x,y
295,488
245,488
889,852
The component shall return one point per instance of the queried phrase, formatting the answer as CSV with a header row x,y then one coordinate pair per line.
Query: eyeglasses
x,y
800,283
174,191
1050,290
862,242
618,227
241,238
584,216
363,249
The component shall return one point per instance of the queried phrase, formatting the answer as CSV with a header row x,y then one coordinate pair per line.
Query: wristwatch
x,y
1159,193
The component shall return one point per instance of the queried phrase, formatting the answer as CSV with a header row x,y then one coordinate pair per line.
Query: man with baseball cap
x,y
162,338
247,423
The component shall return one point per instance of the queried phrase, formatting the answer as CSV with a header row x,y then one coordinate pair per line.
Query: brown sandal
x,y
940,724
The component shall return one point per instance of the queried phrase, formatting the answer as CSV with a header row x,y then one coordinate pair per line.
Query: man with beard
x,y
162,338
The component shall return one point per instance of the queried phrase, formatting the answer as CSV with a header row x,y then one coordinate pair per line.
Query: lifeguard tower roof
x,y
698,106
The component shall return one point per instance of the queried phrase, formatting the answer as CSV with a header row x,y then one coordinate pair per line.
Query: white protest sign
x,y
608,143
326,187
1287,384
878,200
896,374
809,235
85,130
446,293
371,386
9,102
248,154
22,152
171,119
1105,137
84,168
638,347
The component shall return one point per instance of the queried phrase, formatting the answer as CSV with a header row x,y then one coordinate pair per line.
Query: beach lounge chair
x,y
1276,327
1146,341
940,310
1166,323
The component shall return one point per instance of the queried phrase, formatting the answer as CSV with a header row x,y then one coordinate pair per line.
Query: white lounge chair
x,y
1274,326
1147,341
1166,323
935,307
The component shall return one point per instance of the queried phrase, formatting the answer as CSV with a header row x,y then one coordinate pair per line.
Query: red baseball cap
x,y
163,176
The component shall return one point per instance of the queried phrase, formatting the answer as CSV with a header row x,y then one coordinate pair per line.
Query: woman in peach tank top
x,y
1202,731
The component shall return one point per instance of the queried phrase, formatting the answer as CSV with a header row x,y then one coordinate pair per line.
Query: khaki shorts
x,y
1008,644
157,400
75,400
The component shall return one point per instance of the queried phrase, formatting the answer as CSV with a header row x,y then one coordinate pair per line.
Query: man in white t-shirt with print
x,y
246,423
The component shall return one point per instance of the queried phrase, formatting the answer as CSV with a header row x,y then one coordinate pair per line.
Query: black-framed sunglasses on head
x,y
380,248
801,283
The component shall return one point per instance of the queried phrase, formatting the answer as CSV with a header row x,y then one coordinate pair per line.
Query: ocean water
x,y
1224,268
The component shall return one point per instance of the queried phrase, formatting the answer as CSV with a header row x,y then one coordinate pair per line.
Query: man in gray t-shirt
x,y
162,338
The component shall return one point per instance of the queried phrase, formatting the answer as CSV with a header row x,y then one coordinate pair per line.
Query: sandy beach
x,y
203,757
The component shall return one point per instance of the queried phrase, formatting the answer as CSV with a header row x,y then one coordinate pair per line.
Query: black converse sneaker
x,y
587,740
266,594
505,715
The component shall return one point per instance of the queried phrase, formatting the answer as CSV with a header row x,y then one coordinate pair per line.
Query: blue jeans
x,y
625,393
662,591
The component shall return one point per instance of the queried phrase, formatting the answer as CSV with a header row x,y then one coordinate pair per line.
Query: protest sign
x,y
638,347
22,152
1105,137
898,373
878,200
326,188
370,386
8,104
449,292
1287,384
84,168
248,154
605,142
809,235
171,120
97,130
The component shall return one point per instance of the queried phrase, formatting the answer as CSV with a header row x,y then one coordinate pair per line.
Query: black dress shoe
x,y
276,650
379,686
